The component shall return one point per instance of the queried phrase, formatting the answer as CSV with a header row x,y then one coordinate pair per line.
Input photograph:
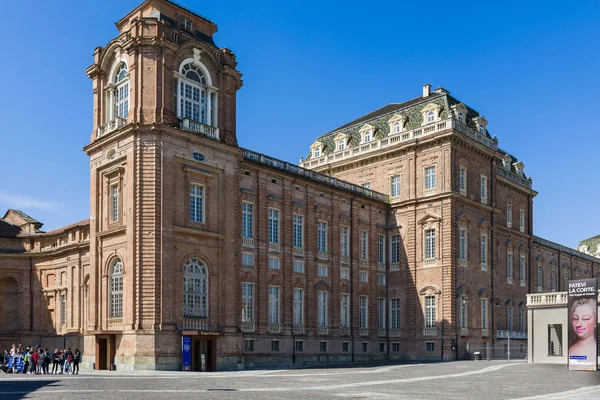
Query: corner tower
x,y
163,151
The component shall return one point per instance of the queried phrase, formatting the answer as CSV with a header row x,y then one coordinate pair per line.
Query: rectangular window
x,y
382,346
344,237
365,347
484,251
462,311
249,345
299,346
186,24
275,345
462,244
114,202
299,266
364,245
555,347
522,266
273,225
322,309
394,313
345,347
344,274
509,215
344,311
380,313
395,347
196,203
429,179
248,259
429,244
484,313
364,312
522,320
462,181
381,279
395,182
273,262
522,220
381,249
322,237
429,346
273,304
323,347
430,312
363,276
395,249
509,318
298,231
322,270
63,309
484,190
247,220
298,306
509,267
248,302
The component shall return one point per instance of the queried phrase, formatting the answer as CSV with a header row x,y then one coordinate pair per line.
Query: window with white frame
x,y
429,179
322,237
367,136
186,24
322,271
364,312
430,116
299,266
462,244
316,152
509,318
344,273
364,245
274,263
196,203
395,249
344,311
298,306
483,245
381,279
196,101
341,144
484,313
484,190
381,313
120,93
381,249
363,276
395,313
195,276
247,302
247,220
298,231
430,312
395,185
344,241
322,319
509,215
274,305
396,127
461,117
482,129
509,265
273,225
429,244
114,202
248,259
462,181
522,268
522,220
462,312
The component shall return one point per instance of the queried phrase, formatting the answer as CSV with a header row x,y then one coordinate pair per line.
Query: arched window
x,y
481,129
430,116
539,277
196,100
195,280
553,279
397,127
116,288
121,93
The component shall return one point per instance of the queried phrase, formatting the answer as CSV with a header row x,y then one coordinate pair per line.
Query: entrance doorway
x,y
204,348
105,352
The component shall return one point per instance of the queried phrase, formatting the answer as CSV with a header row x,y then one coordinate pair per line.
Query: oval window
x,y
111,154
198,156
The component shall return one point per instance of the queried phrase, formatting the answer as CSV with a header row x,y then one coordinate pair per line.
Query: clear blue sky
x,y
530,67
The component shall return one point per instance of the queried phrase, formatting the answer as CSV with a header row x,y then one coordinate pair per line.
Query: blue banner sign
x,y
186,351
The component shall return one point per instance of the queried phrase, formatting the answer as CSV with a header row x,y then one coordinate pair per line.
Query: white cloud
x,y
19,201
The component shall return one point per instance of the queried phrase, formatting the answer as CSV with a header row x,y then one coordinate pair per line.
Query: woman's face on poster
x,y
584,321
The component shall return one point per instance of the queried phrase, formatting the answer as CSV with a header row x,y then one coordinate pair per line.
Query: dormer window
x,y
430,117
481,124
367,136
196,98
431,113
396,127
396,123
316,152
341,144
482,129
461,118
186,24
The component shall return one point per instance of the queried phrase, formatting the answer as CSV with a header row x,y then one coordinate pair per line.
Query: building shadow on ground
x,y
18,389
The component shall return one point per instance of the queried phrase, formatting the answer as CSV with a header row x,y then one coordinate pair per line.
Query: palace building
x,y
406,234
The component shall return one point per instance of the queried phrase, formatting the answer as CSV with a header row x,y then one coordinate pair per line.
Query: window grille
x,y
555,340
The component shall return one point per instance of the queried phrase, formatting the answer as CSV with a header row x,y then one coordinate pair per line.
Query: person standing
x,y
61,361
55,361
26,358
35,362
76,361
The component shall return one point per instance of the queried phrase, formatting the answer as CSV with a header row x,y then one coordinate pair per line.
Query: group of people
x,y
36,360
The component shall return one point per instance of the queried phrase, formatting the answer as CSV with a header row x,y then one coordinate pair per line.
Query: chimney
x,y
426,90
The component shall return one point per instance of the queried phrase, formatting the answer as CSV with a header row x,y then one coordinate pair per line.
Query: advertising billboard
x,y
583,320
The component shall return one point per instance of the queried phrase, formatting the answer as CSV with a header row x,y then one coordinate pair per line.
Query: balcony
x,y
509,280
394,332
274,246
247,242
298,329
322,330
430,262
547,299
511,335
247,327
322,255
395,267
429,331
298,251
462,263
344,331
363,331
380,266
515,178
111,126
115,323
195,324
381,333
198,127
274,328
484,333
344,259
522,283
463,332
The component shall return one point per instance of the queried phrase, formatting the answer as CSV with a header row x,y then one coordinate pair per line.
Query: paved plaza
x,y
456,380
